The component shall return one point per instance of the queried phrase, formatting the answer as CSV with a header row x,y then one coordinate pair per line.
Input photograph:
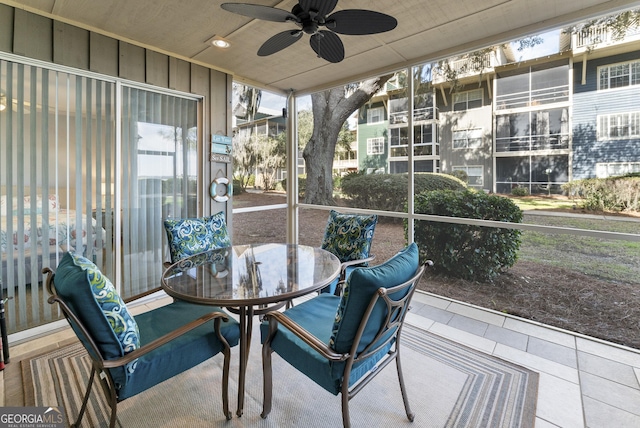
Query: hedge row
x,y
607,194
388,192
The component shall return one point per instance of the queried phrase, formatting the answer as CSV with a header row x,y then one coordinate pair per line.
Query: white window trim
x,y
604,136
628,63
378,142
466,168
466,101
467,131
603,168
369,115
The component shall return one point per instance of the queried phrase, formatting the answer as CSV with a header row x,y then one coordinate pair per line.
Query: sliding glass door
x,y
159,179
71,179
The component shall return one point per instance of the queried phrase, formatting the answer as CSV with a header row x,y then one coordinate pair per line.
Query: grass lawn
x,y
552,203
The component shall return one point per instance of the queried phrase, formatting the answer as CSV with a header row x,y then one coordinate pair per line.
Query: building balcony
x,y
533,143
600,38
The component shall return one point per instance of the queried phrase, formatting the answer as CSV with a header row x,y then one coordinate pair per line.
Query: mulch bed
x,y
554,296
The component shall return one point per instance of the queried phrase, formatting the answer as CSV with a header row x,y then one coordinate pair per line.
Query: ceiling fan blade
x,y
358,22
323,7
279,42
327,45
259,12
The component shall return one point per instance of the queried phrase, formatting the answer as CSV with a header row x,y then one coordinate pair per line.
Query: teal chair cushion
x,y
92,297
316,316
189,236
182,353
360,287
349,236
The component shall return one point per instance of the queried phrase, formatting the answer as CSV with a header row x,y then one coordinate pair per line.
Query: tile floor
x,y
583,382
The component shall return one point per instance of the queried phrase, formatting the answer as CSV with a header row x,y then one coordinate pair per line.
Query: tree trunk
x,y
331,109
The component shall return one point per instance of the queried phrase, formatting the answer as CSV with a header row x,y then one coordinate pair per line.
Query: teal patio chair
x,y
342,342
131,354
190,236
348,237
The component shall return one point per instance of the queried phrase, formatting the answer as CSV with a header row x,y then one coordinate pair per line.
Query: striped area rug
x,y
449,385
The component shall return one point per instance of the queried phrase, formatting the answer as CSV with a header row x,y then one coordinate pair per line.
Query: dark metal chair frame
x,y
396,313
100,366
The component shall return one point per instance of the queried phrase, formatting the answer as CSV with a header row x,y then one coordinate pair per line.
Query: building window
x,y
616,169
619,75
375,115
533,130
375,146
467,138
467,100
474,174
619,126
542,84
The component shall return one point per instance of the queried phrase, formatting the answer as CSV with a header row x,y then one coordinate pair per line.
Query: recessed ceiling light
x,y
220,43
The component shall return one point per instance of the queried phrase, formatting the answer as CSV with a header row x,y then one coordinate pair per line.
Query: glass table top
x,y
251,274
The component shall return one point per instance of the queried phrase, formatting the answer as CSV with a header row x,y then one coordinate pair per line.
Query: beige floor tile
x,y
464,338
559,402
477,314
536,363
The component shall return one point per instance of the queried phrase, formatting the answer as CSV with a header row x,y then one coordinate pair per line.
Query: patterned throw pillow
x,y
191,236
349,236
114,309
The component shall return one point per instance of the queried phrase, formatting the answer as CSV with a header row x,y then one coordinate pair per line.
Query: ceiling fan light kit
x,y
309,16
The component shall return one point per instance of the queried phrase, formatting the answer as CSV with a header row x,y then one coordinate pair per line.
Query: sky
x,y
548,47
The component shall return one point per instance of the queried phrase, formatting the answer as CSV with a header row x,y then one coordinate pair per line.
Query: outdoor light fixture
x,y
219,42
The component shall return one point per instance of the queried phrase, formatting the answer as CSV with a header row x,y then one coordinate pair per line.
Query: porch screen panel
x,y
56,148
159,179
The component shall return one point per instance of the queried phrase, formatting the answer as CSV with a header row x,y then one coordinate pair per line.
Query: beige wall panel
x,y
200,80
157,69
132,62
103,54
179,75
6,28
70,45
217,111
220,103
33,36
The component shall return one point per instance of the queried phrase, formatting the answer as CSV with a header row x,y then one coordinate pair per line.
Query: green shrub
x,y
237,189
520,191
461,175
607,194
477,253
302,182
388,192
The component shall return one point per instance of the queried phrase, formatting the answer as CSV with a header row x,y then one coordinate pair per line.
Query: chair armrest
x,y
151,346
276,317
343,271
141,295
345,265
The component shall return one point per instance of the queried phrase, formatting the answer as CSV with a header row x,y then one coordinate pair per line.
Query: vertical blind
x,y
58,184
56,149
159,179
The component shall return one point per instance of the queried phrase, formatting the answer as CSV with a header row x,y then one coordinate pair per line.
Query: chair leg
x,y
85,400
405,398
267,380
346,420
225,383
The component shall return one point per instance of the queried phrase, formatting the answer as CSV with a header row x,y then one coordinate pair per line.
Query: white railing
x,y
602,36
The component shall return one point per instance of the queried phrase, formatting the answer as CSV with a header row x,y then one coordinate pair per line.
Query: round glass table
x,y
250,280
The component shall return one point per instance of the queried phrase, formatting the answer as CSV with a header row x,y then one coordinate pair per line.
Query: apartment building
x,y
535,124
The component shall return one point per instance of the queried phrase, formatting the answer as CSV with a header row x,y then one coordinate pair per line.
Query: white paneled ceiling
x,y
426,30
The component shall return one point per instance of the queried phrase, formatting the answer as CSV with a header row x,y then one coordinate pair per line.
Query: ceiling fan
x,y
310,16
